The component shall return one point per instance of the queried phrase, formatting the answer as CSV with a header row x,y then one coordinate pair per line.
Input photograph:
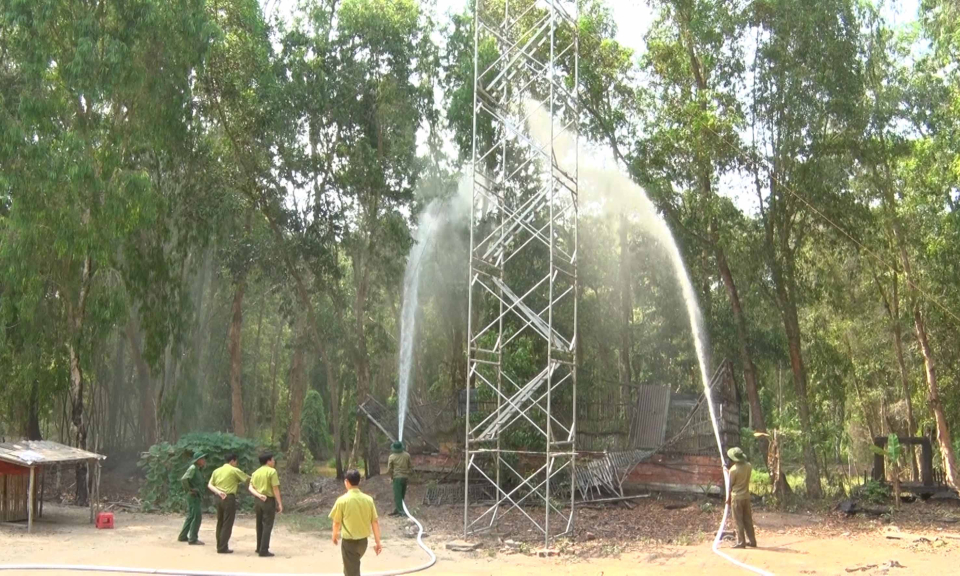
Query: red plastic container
x,y
105,520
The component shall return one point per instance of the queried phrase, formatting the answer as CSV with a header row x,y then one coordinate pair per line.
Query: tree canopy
x,y
205,214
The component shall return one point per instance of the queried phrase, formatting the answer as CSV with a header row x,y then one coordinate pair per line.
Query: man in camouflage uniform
x,y
194,484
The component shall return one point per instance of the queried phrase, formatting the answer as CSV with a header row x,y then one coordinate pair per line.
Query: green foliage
x,y
875,492
891,451
164,464
313,426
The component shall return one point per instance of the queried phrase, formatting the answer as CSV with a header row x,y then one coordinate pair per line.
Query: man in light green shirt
x,y
356,515
738,498
224,482
265,487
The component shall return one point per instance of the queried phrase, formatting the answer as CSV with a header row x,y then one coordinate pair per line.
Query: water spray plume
x,y
438,214
613,193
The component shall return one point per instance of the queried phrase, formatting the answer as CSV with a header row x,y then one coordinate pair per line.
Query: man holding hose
x,y
399,467
738,498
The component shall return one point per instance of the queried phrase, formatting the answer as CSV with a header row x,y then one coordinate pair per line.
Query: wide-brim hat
x,y
397,446
736,454
197,456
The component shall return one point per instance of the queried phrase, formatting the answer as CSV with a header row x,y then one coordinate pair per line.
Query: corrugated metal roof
x,y
649,426
40,452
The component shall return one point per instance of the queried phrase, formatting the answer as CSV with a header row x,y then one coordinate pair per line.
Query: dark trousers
x,y
352,551
226,514
399,493
743,515
191,525
266,513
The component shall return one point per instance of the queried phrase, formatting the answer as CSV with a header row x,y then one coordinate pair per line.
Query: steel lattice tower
x,y
520,445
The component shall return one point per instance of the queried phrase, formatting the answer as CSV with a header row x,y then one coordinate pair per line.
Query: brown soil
x,y
655,535
621,542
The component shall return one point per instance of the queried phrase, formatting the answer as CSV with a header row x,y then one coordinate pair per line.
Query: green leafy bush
x,y
875,492
313,425
165,463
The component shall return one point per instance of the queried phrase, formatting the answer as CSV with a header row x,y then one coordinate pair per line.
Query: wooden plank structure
x,y
667,436
929,484
20,463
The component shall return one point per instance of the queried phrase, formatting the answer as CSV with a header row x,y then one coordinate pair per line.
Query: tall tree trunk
x,y
929,363
626,310
355,451
791,325
298,391
33,413
936,406
871,428
333,389
148,407
116,397
200,342
705,182
758,421
254,414
892,306
78,422
274,396
458,357
167,381
236,361
362,360
372,458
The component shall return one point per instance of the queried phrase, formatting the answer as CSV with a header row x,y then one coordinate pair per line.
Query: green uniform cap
x,y
397,447
736,454
197,456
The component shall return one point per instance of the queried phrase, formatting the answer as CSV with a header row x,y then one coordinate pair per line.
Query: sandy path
x,y
149,541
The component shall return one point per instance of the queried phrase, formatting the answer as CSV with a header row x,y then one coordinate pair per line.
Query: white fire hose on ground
x,y
185,572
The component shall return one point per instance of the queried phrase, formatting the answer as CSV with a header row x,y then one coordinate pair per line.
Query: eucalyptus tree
x,y
693,119
97,106
808,82
356,160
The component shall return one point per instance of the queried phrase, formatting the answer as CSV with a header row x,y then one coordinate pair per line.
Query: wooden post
x,y
33,474
90,495
99,471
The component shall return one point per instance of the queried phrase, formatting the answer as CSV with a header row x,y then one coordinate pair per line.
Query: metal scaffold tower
x,y
520,444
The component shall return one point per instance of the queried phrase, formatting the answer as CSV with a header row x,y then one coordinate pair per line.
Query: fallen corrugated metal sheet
x,y
649,426
607,474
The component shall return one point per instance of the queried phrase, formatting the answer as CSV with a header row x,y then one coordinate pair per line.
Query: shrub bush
x,y
875,492
313,425
165,463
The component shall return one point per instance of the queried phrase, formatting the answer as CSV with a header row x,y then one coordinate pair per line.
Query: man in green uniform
x,y
399,468
265,487
193,483
224,483
356,514
738,498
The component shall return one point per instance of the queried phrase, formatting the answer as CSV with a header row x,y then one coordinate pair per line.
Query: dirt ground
x,y
789,544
